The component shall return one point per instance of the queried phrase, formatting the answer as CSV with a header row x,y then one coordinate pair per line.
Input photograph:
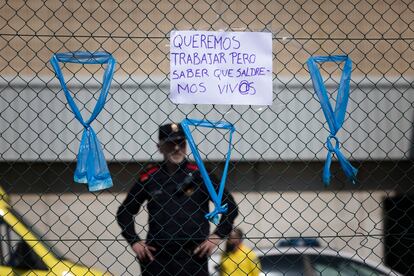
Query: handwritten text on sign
x,y
221,67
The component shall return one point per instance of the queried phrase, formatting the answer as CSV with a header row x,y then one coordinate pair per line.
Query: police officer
x,y
178,240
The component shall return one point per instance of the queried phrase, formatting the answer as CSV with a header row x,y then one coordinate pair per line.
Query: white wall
x,y
36,123
87,231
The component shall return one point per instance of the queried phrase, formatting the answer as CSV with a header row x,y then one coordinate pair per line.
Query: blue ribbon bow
x,y
215,197
91,167
335,118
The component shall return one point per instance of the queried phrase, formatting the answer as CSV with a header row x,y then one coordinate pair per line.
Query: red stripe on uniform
x,y
192,167
145,175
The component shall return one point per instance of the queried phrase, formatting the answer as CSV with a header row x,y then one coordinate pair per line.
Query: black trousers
x,y
175,260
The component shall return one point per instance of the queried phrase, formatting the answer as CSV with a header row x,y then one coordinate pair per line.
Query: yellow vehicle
x,y
22,252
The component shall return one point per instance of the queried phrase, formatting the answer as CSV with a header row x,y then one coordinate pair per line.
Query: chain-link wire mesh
x,y
278,151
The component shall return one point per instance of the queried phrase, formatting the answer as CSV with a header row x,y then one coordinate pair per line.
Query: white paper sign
x,y
221,68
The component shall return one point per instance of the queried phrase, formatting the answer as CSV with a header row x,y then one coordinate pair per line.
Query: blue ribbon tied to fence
x,y
334,117
215,197
91,167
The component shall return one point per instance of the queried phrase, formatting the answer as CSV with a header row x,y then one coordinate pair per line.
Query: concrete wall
x,y
83,226
137,32
378,124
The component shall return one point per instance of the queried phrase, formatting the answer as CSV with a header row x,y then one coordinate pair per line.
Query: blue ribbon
x,y
335,118
215,197
91,167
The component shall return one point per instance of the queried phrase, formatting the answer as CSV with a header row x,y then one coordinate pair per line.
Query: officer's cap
x,y
171,132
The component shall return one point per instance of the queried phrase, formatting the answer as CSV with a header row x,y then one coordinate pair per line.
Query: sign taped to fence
x,y
221,67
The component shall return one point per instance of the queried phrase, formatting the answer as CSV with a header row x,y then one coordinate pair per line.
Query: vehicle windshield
x,y
50,247
311,264
282,265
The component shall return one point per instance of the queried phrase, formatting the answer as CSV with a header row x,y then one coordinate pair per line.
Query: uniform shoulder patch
x,y
192,167
151,169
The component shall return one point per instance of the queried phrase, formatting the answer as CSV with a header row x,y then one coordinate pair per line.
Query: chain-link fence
x,y
278,151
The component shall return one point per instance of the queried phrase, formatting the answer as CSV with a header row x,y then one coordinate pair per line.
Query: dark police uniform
x,y
176,205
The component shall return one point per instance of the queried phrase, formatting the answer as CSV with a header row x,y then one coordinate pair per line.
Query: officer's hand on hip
x,y
208,246
143,251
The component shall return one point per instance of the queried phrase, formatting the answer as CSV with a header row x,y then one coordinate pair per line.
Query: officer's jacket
x,y
176,205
